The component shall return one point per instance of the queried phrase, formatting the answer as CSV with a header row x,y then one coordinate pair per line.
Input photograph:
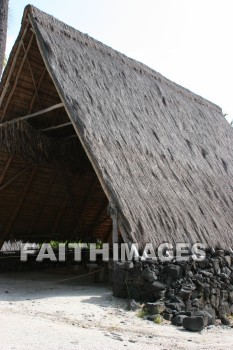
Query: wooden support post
x,y
7,84
5,169
17,77
123,232
43,111
35,94
18,207
71,136
32,75
114,216
56,126
13,178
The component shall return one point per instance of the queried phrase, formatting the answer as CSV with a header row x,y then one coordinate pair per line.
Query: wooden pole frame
x,y
114,216
38,87
5,185
5,169
17,77
59,126
32,75
43,111
7,84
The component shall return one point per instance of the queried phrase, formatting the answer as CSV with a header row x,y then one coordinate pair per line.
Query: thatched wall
x,y
163,155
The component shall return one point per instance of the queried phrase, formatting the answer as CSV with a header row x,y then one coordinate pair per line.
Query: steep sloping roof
x,y
163,155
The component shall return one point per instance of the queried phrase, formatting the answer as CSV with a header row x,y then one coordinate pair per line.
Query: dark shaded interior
x,y
39,200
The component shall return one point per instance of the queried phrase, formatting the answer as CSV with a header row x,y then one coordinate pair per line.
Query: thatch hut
x,y
83,126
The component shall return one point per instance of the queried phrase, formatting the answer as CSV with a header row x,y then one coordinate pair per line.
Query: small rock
x,y
133,305
178,320
209,320
168,311
206,273
148,275
155,308
195,302
174,271
158,286
167,317
223,310
219,253
194,323
176,306
226,271
185,294
185,313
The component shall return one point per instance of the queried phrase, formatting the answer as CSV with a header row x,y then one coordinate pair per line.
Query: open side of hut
x,y
83,125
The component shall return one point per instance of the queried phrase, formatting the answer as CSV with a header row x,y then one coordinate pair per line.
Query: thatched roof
x,y
163,155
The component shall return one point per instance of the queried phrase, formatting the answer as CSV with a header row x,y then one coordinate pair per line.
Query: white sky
x,y
188,41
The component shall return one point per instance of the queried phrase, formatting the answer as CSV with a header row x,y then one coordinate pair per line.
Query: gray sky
x,y
188,41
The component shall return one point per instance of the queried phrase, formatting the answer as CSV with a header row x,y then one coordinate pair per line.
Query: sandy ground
x,y
39,312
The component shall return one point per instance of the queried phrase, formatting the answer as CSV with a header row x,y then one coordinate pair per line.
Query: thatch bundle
x,y
20,139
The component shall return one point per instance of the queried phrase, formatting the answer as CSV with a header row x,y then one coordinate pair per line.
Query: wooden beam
x,y
123,232
7,84
18,207
71,136
5,169
114,216
56,126
38,87
2,187
32,75
16,78
43,111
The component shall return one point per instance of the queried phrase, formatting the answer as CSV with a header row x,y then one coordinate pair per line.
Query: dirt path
x,y
37,312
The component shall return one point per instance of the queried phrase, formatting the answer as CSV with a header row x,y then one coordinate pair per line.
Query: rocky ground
x,y
41,310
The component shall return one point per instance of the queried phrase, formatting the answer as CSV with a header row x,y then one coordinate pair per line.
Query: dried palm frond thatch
x,y
21,139
164,155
